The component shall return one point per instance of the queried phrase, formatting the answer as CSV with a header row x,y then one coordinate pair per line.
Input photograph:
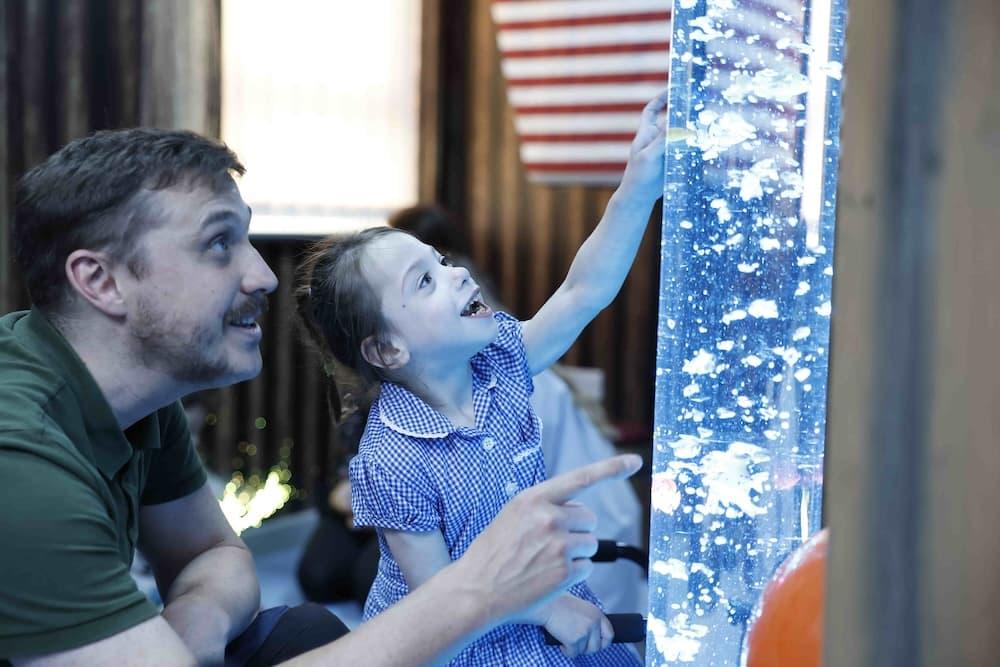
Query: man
x,y
134,247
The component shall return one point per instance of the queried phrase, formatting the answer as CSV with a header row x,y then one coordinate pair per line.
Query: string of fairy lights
x,y
249,500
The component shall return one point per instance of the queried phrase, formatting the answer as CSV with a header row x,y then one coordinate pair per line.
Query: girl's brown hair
x,y
340,309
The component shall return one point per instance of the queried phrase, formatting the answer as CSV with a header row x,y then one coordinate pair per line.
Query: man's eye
x,y
220,243
425,280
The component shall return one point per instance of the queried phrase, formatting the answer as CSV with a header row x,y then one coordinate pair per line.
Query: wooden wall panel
x,y
76,66
526,235
962,544
913,460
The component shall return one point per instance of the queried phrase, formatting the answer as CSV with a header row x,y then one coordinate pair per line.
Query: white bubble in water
x,y
674,568
702,363
763,309
733,316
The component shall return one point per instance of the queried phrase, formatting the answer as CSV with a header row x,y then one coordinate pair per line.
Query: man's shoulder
x,y
27,381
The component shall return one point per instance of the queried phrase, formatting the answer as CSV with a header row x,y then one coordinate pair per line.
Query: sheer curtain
x,y
321,101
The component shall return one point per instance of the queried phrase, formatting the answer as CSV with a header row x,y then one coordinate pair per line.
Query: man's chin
x,y
224,375
243,372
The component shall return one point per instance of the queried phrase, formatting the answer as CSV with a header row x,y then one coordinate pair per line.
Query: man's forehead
x,y
192,201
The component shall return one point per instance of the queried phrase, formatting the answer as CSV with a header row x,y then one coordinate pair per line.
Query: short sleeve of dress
x,y
389,496
506,354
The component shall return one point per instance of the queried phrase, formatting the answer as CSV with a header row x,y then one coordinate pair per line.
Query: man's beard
x,y
189,355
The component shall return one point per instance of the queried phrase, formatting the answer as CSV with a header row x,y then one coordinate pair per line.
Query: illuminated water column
x,y
747,266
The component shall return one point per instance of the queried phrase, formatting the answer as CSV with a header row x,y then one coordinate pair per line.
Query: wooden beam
x,y
913,463
429,142
181,46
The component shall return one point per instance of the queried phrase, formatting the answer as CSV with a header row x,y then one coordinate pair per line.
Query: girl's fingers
x,y
652,110
594,640
607,633
581,545
579,570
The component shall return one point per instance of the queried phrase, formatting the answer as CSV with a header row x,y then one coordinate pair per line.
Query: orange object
x,y
789,629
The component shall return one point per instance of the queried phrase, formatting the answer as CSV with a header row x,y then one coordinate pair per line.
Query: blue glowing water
x,y
744,315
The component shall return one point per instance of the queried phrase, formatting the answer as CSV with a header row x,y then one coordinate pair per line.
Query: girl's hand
x,y
580,626
644,172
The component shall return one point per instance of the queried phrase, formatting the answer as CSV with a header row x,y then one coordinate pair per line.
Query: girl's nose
x,y
461,274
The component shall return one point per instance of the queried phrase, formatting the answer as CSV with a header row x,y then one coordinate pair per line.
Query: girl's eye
x,y
220,243
425,280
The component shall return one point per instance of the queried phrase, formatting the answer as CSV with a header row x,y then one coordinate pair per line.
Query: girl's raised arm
x,y
604,259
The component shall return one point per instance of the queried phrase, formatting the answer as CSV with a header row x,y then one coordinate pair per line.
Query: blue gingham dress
x,y
416,472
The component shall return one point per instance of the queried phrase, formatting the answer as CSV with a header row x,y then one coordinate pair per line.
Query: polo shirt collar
x,y
404,412
111,448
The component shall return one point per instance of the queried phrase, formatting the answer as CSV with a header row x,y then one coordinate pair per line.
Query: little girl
x,y
451,436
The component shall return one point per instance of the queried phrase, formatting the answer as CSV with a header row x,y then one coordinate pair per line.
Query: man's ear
x,y
390,355
89,274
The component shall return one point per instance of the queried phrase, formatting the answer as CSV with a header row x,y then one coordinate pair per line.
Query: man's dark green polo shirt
x,y
72,484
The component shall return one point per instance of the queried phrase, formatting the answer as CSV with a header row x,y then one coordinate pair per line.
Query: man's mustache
x,y
254,307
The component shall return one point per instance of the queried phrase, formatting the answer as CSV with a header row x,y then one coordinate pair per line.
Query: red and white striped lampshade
x,y
578,74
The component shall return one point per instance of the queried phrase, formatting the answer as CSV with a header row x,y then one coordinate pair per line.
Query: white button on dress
x,y
489,443
512,488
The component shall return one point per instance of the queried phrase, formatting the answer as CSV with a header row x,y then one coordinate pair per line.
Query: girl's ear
x,y
390,355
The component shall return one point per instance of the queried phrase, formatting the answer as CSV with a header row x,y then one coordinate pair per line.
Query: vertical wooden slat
x,y
283,376
7,163
253,404
572,228
180,43
962,545
509,185
602,337
539,274
635,337
34,59
124,43
429,142
74,120
852,406
315,423
912,458
480,197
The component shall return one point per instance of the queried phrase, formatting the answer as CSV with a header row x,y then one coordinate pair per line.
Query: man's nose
x,y
259,276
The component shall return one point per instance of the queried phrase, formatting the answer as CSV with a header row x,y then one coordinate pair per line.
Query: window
x,y
320,101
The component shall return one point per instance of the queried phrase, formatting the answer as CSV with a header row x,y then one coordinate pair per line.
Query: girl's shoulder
x,y
382,443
